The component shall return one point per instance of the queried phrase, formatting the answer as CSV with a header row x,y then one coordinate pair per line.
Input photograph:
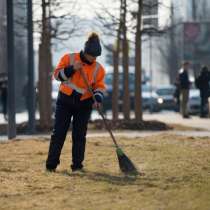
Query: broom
x,y
125,164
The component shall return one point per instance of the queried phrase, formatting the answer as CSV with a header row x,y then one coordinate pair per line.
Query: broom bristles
x,y
126,165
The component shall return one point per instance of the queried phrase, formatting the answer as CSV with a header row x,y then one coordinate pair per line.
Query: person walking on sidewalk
x,y
184,84
202,83
74,102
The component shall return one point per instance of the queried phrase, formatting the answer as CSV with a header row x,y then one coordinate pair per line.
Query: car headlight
x,y
160,100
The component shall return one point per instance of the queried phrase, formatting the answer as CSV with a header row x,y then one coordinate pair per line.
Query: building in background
x,y
154,17
150,13
192,24
191,10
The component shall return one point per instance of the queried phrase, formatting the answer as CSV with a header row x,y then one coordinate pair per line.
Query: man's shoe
x,y
78,170
51,170
77,167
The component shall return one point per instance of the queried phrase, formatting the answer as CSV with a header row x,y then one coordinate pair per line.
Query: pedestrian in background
x,y
177,94
202,83
184,84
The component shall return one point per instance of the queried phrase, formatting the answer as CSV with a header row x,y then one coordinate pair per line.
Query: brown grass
x,y
176,176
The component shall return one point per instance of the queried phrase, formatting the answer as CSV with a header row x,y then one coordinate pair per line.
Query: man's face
x,y
186,66
90,58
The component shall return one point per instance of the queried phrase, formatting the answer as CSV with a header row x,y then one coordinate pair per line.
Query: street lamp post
x,y
31,86
11,71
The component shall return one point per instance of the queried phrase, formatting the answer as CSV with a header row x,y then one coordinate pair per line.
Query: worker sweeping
x,y
74,103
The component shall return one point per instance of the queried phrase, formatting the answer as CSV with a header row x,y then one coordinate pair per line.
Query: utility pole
x,y
194,14
194,19
150,67
31,86
11,71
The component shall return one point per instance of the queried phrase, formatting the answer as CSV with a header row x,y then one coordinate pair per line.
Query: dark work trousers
x,y
204,105
69,108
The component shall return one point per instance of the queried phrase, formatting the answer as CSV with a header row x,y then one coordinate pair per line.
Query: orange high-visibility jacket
x,y
95,74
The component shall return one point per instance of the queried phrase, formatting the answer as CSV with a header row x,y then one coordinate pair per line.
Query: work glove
x,y
98,99
70,70
99,96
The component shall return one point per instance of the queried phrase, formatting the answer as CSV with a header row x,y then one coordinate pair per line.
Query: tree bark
x,y
45,66
138,101
116,55
125,60
115,92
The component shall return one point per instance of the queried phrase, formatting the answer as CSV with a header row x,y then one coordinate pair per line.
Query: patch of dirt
x,y
98,125
152,125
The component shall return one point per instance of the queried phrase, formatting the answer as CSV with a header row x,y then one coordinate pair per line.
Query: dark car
x,y
54,94
165,98
107,105
149,98
194,101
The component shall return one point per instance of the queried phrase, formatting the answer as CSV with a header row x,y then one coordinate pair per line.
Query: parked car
x,y
108,95
54,94
165,99
109,79
149,98
194,101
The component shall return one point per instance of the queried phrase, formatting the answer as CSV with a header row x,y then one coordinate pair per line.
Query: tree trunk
x,y
45,66
116,53
138,101
115,92
125,60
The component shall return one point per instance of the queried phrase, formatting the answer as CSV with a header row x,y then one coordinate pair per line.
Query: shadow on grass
x,y
104,177
144,182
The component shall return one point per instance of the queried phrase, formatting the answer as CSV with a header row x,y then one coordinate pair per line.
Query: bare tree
x,y
112,27
138,102
129,21
51,27
125,61
115,94
45,66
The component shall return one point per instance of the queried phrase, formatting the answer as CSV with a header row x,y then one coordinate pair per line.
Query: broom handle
x,y
98,108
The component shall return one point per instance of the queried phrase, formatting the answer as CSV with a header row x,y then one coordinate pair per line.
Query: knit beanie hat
x,y
92,45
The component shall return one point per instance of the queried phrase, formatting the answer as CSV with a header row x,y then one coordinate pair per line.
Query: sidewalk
x,y
176,118
117,134
167,117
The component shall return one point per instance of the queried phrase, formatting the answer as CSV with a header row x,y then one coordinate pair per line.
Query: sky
x,y
86,5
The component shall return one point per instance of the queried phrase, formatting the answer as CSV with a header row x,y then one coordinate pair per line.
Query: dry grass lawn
x,y
176,176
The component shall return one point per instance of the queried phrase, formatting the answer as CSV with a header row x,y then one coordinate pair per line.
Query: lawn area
x,y
176,175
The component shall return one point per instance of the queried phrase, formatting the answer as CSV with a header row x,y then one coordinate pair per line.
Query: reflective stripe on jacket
x,y
95,74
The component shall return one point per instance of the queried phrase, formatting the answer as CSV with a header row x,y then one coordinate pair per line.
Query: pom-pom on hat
x,y
92,45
